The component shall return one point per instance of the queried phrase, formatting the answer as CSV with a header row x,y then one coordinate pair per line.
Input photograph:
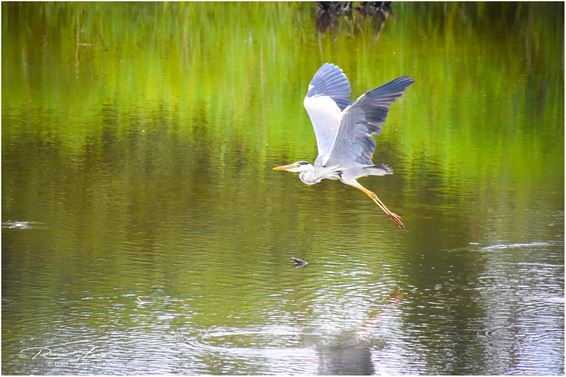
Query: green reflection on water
x,y
141,137
487,98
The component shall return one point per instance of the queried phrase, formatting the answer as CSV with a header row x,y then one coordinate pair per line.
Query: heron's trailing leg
x,y
393,216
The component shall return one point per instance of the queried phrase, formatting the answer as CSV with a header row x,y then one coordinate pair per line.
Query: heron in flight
x,y
344,131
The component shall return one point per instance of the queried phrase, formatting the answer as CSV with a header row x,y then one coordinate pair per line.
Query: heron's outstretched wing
x,y
328,94
360,121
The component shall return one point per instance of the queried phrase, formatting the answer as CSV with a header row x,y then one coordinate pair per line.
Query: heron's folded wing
x,y
328,94
361,120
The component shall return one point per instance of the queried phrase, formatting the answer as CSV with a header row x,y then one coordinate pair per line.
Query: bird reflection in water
x,y
346,352
351,355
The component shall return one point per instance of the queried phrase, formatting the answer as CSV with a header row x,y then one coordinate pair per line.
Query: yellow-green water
x,y
145,232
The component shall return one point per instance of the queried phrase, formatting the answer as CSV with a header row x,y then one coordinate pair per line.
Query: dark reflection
x,y
378,11
328,14
349,360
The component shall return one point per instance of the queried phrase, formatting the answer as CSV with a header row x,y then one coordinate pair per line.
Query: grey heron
x,y
344,131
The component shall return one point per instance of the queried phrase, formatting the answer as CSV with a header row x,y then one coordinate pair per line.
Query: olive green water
x,y
145,232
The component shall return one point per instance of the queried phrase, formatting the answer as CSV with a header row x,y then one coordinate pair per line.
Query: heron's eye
x,y
302,163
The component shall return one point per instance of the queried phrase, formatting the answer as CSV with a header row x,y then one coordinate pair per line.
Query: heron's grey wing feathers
x,y
330,81
361,120
328,94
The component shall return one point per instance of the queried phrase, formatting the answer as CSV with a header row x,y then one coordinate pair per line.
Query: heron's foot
x,y
397,220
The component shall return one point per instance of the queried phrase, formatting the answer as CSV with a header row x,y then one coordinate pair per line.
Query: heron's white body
x,y
311,174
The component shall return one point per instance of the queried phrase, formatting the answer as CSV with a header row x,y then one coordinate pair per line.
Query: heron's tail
x,y
379,169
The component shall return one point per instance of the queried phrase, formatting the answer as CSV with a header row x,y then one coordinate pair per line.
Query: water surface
x,y
143,230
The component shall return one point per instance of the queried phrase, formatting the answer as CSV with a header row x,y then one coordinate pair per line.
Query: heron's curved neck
x,y
308,175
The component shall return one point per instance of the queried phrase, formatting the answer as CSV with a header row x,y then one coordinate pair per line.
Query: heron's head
x,y
295,167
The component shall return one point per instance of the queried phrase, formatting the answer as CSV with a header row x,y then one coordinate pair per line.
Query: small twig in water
x,y
140,301
299,262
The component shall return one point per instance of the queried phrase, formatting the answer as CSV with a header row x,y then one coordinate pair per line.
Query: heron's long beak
x,y
285,167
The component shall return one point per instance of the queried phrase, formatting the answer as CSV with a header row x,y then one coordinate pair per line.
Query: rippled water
x,y
144,232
